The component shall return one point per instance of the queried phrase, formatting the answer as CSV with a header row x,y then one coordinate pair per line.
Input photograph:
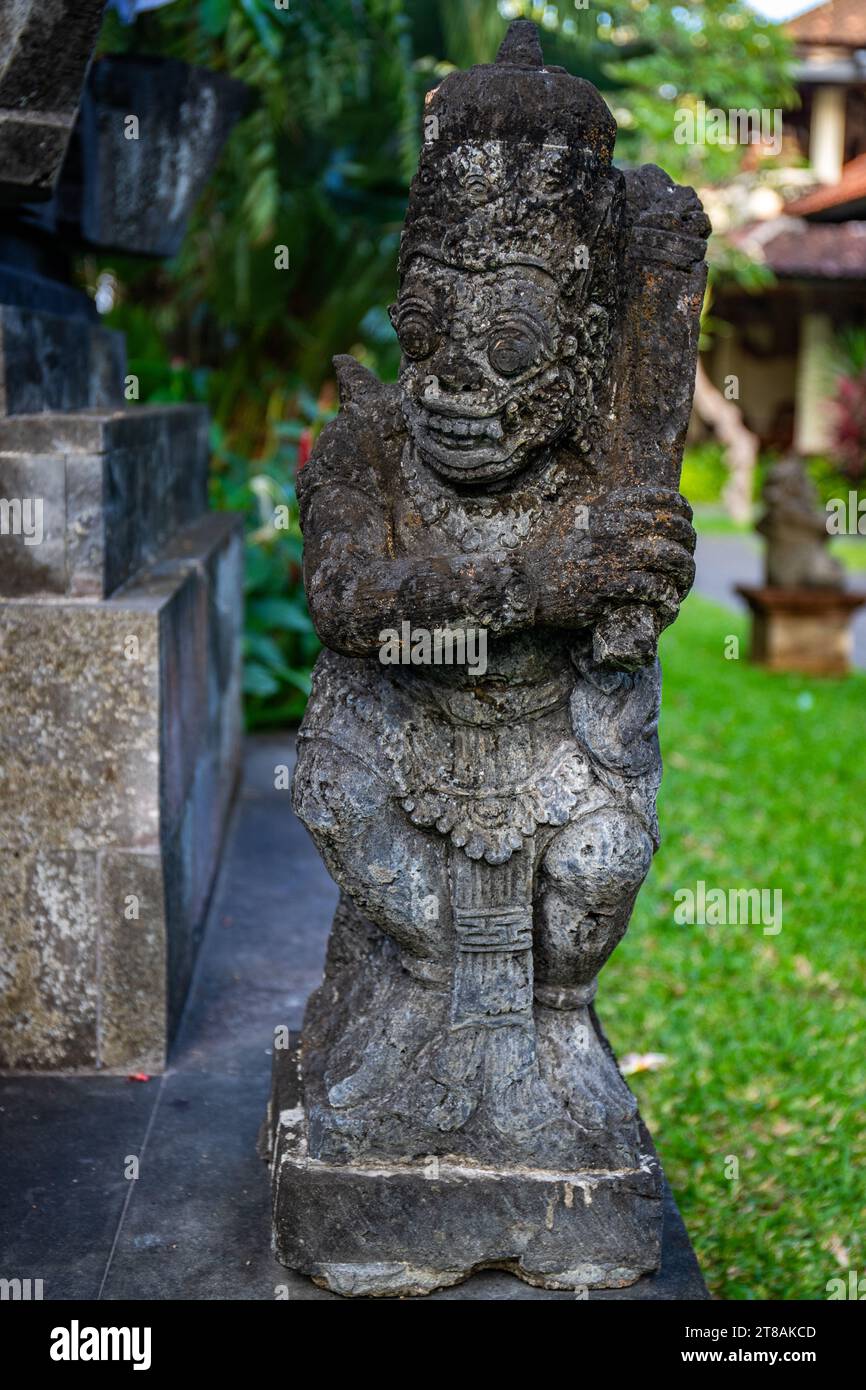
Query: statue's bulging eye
x,y
512,350
417,333
478,189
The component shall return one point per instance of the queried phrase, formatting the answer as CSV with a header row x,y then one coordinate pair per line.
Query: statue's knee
x,y
601,860
394,873
333,793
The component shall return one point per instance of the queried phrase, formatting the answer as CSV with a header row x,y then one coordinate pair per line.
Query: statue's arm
x,y
357,587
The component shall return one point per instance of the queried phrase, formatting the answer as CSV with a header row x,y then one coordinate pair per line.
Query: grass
x,y
714,521
764,1034
852,553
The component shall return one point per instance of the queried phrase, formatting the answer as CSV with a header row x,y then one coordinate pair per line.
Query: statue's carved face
x,y
488,373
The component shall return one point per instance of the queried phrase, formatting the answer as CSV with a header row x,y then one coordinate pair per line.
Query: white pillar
x,y
827,139
813,415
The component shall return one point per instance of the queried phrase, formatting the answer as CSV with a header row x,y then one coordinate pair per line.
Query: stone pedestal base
x,y
805,630
405,1229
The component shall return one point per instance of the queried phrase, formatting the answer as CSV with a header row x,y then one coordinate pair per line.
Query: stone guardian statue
x,y
455,1104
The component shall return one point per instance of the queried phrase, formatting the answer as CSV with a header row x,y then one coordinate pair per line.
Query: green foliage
x,y
280,644
704,473
757,1028
653,58
320,166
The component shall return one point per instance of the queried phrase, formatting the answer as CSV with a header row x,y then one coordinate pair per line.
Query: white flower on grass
x,y
633,1062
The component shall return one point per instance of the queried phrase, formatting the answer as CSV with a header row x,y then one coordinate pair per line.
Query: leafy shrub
x,y
704,473
280,643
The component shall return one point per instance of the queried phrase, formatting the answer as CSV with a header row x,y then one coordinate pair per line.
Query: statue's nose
x,y
456,370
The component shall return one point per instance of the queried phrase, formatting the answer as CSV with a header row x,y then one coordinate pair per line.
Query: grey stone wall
x,y
119,737
120,631
115,485
45,48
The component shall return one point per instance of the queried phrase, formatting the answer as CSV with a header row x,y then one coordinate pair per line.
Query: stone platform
x,y
120,595
805,630
544,1226
119,730
120,715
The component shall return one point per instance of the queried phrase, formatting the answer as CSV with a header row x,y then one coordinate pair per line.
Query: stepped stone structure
x,y
45,48
454,1104
120,618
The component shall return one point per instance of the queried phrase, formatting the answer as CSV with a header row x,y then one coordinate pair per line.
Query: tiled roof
x,y
801,250
840,22
851,188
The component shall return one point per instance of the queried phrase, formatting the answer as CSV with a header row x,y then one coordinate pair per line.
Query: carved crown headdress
x,y
516,168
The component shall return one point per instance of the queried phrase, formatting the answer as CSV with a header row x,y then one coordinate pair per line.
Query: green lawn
x,y
764,787
851,552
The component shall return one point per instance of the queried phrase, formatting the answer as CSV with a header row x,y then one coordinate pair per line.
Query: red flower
x,y
850,432
305,448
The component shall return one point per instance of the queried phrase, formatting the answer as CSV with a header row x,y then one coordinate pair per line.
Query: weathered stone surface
x,y
32,525
45,48
490,824
425,1224
119,745
135,929
114,486
49,945
135,192
57,362
79,725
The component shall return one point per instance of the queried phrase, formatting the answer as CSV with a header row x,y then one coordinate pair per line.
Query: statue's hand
x,y
624,573
642,543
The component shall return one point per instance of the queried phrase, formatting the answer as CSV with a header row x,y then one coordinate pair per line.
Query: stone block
x,y
112,486
801,629
79,725
57,362
33,507
45,48
49,945
135,194
119,751
133,952
27,280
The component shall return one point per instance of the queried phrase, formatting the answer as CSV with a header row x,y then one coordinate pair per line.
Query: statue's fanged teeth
x,y
461,430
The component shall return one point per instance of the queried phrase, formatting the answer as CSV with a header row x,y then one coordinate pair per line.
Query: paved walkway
x,y
196,1224
724,561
